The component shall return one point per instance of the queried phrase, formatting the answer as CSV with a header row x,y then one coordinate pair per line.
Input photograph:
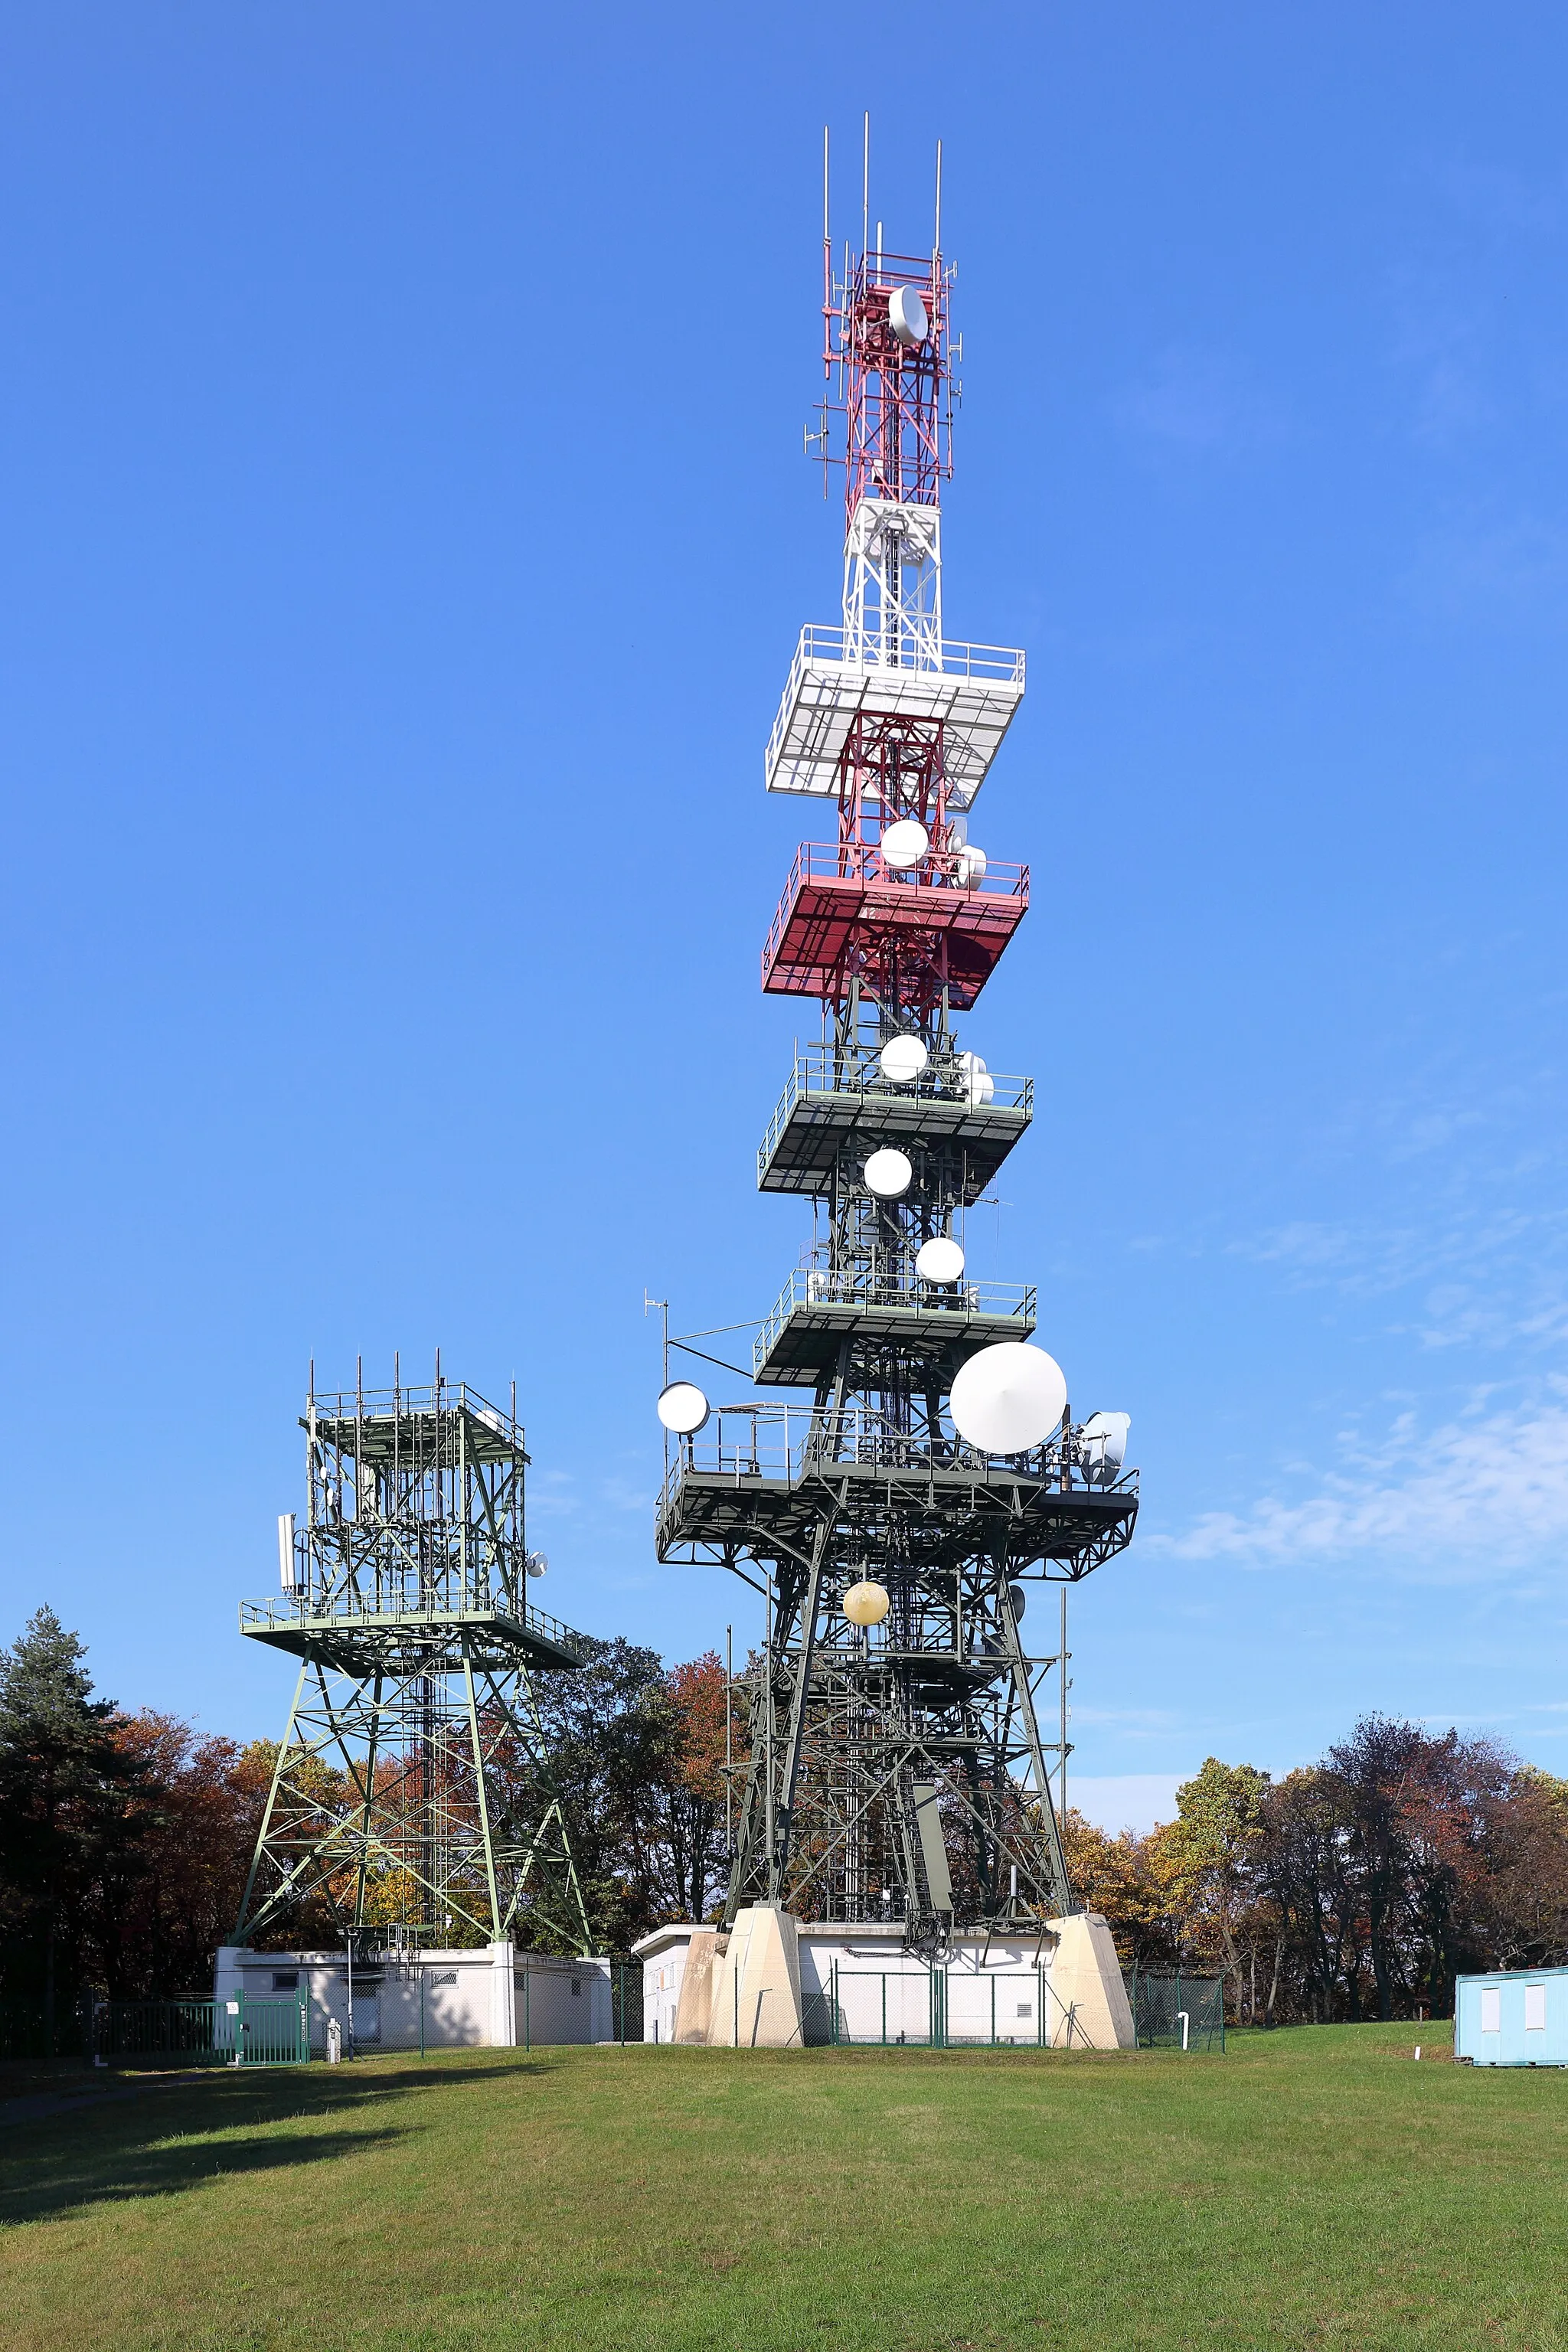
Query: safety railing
x,y
433,1601
811,1286
818,1072
789,1442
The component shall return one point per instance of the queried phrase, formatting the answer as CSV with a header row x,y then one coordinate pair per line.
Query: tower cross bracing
x,y
897,1768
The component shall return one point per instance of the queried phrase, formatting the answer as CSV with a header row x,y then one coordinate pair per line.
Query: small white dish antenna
x,y
865,1604
903,1059
1104,1442
957,832
683,1408
975,1081
907,317
889,1173
971,865
1008,1397
905,844
940,1260
535,1563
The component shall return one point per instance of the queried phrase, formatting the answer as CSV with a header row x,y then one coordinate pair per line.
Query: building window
x,y
285,1979
1492,2009
1535,2009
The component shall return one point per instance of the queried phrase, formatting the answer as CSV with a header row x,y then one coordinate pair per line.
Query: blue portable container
x,y
1516,2017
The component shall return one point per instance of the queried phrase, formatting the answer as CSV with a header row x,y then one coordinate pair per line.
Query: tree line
x,y
126,1838
1356,1887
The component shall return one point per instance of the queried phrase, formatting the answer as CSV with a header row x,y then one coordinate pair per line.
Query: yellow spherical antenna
x,y
865,1604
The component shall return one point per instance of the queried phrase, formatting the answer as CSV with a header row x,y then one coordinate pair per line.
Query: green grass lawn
x,y
1310,2188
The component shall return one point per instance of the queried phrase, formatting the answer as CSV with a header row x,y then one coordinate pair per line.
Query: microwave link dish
x,y
889,1173
904,844
976,1082
907,317
971,865
1008,1398
683,1408
940,1260
903,1059
536,1563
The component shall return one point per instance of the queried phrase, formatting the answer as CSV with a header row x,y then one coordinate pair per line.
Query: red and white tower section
x,y
919,1467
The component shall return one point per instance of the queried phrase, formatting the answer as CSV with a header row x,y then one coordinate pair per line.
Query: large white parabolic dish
x,y
1008,1398
904,844
683,1408
907,317
889,1173
903,1059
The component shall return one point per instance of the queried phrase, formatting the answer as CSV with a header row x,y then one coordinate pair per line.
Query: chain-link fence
x,y
1177,2012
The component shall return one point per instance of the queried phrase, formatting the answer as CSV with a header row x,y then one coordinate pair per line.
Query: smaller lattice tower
x,y
411,1790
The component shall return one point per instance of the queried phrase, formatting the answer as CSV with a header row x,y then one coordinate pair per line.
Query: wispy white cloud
x,y
1484,1494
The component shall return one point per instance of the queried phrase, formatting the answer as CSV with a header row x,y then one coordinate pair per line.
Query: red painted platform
x,y
842,913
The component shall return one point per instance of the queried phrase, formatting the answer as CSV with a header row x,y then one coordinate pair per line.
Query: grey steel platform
x,y
829,1104
798,1344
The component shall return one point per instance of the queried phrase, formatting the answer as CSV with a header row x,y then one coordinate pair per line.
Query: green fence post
x,y
527,2010
884,2009
422,2009
993,1980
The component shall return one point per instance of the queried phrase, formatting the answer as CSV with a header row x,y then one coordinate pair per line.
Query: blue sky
x,y
404,536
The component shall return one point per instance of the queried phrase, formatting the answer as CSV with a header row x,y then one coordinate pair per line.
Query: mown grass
x,y
1312,2188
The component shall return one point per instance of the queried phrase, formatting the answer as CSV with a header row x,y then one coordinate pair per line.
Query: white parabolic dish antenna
x,y
971,865
888,1173
536,1563
975,1080
907,317
903,1058
1008,1398
682,1408
940,1260
905,844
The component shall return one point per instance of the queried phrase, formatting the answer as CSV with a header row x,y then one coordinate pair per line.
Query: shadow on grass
x,y
177,2138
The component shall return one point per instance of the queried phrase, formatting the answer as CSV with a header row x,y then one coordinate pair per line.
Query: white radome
x,y
904,844
536,1563
1104,1438
865,1604
889,1173
903,1059
940,1260
682,1408
975,1080
1008,1397
907,317
971,865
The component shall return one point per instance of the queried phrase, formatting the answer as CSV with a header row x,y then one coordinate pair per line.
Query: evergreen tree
x,y
64,1785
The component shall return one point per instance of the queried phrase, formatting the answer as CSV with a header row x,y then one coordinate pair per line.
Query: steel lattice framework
x,y
898,1772
411,1789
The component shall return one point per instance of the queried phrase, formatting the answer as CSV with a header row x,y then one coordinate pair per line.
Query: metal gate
x,y
243,2031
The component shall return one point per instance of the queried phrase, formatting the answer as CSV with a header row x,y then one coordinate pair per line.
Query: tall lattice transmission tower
x,y
897,1768
412,1790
